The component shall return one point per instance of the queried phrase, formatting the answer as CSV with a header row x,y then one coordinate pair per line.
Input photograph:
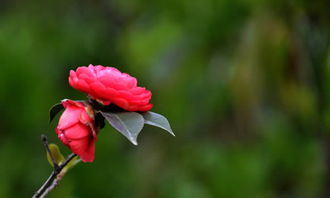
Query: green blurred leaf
x,y
70,165
58,157
127,123
54,110
157,120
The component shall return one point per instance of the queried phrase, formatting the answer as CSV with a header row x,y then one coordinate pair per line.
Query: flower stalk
x,y
57,173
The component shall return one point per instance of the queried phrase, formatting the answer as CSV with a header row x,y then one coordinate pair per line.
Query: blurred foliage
x,y
244,83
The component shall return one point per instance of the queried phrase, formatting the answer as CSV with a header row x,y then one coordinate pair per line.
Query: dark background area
x,y
244,83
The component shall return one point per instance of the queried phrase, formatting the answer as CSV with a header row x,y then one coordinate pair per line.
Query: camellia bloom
x,y
108,85
76,129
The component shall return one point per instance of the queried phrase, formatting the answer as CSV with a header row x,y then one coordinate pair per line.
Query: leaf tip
x,y
133,140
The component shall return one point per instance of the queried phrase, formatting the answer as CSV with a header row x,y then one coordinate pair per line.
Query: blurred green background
x,y
244,83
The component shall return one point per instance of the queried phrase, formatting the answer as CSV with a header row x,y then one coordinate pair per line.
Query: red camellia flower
x,y
108,85
76,129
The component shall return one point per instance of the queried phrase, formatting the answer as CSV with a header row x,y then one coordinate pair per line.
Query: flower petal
x,y
108,85
69,117
85,148
77,131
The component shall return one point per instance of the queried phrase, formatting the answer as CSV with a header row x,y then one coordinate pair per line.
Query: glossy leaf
x,y
129,124
157,120
54,110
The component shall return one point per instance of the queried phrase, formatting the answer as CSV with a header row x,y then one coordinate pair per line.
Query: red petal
x,y
79,146
82,85
87,78
62,137
84,70
69,117
137,90
121,102
146,107
85,148
77,131
89,154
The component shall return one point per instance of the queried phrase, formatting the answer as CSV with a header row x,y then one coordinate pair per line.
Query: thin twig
x,y
55,176
44,140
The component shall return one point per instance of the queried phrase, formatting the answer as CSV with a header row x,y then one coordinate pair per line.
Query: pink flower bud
x,y
76,129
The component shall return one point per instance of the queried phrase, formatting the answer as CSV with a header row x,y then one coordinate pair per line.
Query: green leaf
x,y
72,163
129,124
157,120
58,157
54,110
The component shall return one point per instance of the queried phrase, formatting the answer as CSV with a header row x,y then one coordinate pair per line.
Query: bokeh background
x,y
244,83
